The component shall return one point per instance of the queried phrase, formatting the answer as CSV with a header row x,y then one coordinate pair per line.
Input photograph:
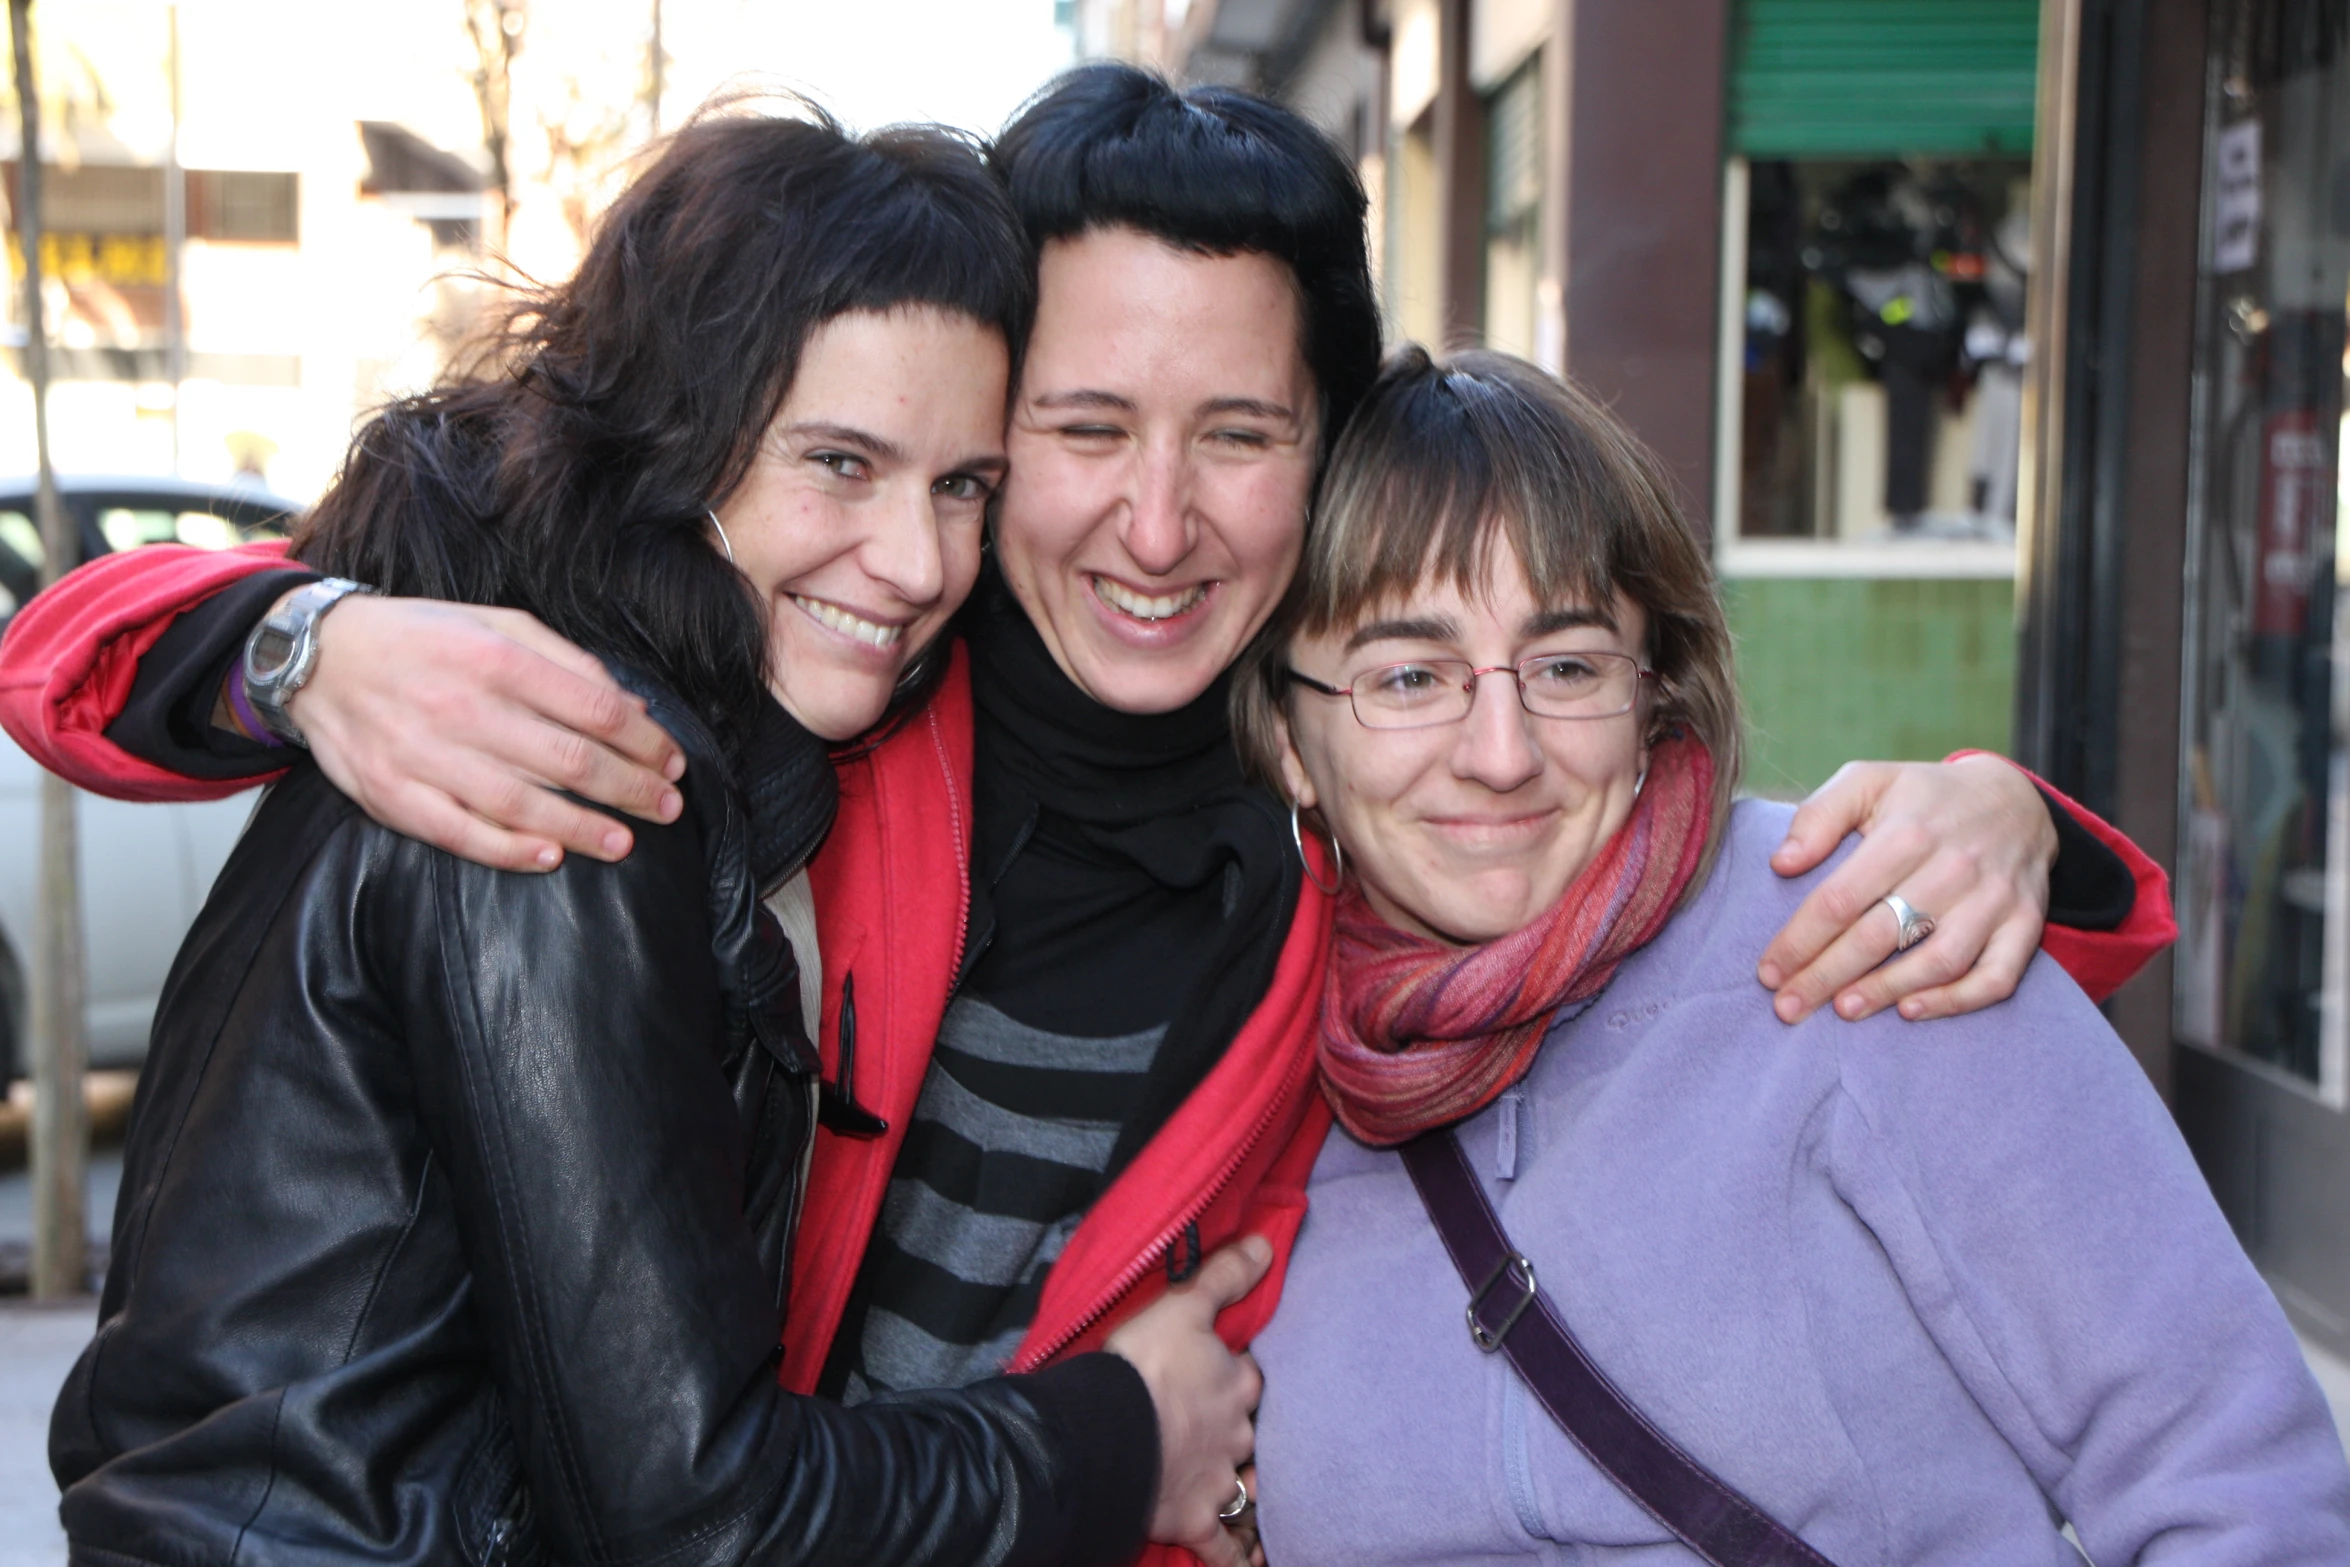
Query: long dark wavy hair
x,y
566,469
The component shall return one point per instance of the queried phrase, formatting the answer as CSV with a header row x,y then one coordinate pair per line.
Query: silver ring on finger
x,y
1239,1504
1915,927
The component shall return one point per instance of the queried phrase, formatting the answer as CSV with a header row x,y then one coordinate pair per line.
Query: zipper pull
x,y
837,1109
1505,1138
1183,1254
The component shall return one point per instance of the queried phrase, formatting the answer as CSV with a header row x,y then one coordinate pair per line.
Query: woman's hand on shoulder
x,y
1966,843
457,725
1206,1397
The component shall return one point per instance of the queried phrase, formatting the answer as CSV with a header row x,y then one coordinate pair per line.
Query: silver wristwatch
x,y
283,650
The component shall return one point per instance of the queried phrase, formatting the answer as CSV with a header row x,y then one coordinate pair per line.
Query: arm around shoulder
x,y
71,657
2101,957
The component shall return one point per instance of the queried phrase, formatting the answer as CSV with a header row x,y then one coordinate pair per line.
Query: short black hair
x,y
1213,170
567,471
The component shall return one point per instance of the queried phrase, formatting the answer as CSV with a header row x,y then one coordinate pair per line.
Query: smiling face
x,y
1163,447
859,521
1468,831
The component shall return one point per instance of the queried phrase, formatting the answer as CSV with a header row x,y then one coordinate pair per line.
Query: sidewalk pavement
x,y
37,1347
2333,1379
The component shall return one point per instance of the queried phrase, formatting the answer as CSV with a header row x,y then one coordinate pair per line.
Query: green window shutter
x,y
1882,78
1513,149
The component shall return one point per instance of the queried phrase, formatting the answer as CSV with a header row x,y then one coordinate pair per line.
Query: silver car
x,y
145,869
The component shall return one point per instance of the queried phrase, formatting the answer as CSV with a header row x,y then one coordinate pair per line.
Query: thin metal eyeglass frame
x,y
1324,688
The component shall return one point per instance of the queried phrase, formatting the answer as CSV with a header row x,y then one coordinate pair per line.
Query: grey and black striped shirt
x,y
1129,894
1006,1151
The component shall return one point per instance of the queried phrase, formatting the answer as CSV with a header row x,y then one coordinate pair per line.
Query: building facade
x,y
2000,346
236,266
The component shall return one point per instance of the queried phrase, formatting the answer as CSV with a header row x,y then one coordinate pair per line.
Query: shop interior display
x,y
1884,348
2265,865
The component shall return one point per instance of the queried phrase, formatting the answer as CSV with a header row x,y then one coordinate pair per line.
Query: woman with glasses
x,y
1861,1293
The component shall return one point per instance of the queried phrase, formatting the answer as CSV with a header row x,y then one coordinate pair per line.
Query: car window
x,y
274,525
20,561
206,530
127,528
122,528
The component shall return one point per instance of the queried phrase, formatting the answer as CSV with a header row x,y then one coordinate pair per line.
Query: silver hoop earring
x,y
724,542
1297,835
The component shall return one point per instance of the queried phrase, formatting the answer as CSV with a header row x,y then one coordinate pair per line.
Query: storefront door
x,y
2263,1090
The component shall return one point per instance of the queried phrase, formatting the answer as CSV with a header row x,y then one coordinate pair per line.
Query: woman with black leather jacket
x,y
458,1204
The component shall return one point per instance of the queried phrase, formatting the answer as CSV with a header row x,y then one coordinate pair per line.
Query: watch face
x,y
271,648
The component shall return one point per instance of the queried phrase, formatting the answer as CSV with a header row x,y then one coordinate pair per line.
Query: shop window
x,y
1878,350
1872,309
94,202
229,204
2264,874
1513,208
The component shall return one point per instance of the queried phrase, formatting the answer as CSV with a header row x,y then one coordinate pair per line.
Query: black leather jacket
x,y
455,1224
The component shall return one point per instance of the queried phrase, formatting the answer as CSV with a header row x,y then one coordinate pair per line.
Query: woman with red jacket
x,y
457,1205
1070,959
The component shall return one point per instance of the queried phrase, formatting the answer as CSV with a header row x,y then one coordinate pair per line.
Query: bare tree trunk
x,y
496,27
175,245
60,1050
654,64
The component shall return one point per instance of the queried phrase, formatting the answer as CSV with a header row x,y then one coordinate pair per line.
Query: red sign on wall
x,y
2295,499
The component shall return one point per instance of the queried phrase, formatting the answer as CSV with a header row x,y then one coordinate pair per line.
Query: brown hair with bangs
x,y
1445,457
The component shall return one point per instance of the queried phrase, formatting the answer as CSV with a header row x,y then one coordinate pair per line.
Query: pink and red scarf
x,y
1417,1034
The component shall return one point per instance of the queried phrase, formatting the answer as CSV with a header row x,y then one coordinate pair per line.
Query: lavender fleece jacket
x,y
1921,1291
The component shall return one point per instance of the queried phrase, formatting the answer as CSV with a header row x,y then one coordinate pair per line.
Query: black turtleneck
x,y
1118,859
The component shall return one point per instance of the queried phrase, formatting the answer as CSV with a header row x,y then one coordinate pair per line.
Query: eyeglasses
x,y
1432,691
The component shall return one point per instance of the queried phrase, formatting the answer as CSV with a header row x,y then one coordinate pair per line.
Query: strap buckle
x,y
1519,1272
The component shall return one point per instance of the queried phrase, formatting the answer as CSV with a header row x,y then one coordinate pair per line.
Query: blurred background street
x,y
1999,346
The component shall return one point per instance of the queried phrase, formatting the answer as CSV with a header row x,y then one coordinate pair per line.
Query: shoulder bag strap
x,y
1508,1312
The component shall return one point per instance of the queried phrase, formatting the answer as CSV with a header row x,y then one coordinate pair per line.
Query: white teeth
x,y
1144,607
849,625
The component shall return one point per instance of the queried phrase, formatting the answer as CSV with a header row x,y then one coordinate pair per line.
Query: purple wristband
x,y
242,705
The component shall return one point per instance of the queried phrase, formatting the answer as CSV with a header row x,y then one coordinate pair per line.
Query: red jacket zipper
x,y
938,748
1037,1355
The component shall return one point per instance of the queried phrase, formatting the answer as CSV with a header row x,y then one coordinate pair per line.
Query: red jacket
x,y
70,656
893,896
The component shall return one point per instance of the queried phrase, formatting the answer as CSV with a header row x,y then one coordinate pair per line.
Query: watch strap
x,y
268,689
240,702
